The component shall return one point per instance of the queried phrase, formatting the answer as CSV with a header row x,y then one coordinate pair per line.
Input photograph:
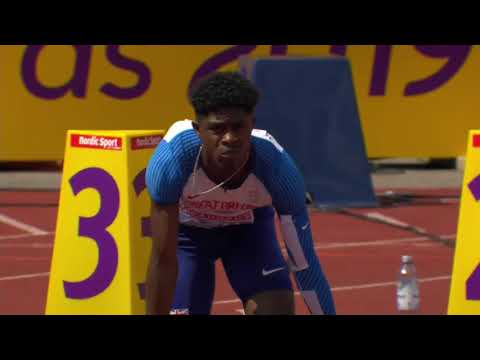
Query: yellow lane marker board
x,y
102,239
465,284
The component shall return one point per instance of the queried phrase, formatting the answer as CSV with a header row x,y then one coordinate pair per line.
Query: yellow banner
x,y
414,101
465,284
102,239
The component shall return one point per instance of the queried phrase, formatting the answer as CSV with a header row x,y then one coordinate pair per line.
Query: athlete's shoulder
x,y
278,172
177,129
267,149
266,141
182,134
172,162
179,145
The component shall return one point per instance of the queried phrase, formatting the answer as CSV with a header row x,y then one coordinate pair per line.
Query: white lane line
x,y
376,242
327,245
388,219
25,276
23,236
352,287
389,283
22,226
27,246
334,245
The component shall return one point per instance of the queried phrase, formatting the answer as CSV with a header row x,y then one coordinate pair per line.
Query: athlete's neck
x,y
218,174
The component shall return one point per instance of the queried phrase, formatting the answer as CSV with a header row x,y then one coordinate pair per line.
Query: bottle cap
x,y
407,258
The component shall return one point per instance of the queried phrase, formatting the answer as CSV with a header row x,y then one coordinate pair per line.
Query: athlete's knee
x,y
272,302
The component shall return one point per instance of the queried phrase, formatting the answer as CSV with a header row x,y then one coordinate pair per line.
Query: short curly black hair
x,y
227,89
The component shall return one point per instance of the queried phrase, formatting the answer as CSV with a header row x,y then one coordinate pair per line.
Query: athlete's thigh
x,y
254,265
196,279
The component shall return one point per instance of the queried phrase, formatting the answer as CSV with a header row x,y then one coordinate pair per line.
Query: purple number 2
x,y
473,282
95,228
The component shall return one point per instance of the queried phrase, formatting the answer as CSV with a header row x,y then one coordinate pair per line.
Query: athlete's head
x,y
224,103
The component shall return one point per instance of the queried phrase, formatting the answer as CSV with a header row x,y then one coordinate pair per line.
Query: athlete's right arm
x,y
165,177
163,266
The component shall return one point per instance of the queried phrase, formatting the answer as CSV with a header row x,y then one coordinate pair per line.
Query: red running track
x,y
360,258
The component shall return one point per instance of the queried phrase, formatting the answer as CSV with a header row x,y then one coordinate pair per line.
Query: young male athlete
x,y
215,184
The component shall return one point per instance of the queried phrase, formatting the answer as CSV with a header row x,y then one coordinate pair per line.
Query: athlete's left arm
x,y
289,201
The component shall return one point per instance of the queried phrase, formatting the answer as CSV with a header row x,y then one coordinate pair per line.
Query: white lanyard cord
x,y
193,196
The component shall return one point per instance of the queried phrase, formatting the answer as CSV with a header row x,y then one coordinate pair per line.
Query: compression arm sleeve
x,y
304,263
289,199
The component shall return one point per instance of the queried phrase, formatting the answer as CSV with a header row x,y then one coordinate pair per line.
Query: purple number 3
x,y
95,228
139,185
473,281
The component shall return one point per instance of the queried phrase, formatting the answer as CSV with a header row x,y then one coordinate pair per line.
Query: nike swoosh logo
x,y
266,273
304,227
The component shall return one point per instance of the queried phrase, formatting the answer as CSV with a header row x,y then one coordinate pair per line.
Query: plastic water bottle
x,y
408,293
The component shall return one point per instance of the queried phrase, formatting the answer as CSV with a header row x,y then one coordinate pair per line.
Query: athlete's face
x,y
226,136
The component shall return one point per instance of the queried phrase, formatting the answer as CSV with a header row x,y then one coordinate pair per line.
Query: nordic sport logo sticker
x,y
145,142
96,142
476,140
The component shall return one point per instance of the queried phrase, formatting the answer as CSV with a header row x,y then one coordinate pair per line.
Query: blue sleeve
x,y
287,188
164,177
310,278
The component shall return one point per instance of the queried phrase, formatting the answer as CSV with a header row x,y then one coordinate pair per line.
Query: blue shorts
x,y
250,254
